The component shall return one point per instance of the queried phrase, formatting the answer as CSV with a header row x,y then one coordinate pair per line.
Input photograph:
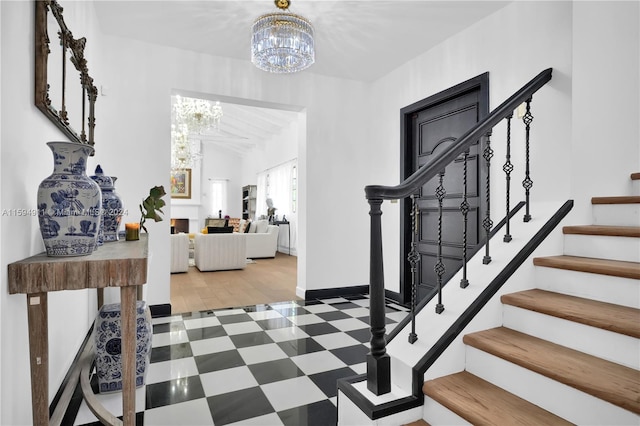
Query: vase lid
x,y
102,180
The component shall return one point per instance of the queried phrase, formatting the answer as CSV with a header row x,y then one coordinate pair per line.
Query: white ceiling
x,y
358,39
243,128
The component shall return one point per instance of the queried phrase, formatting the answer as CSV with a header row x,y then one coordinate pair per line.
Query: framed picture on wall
x,y
181,183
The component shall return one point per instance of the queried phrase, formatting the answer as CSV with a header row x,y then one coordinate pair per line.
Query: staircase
x,y
568,351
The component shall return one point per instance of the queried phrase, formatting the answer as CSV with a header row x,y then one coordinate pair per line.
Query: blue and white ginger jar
x,y
108,346
111,206
69,203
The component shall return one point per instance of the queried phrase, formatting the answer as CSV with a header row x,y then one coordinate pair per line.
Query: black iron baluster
x,y
414,258
464,208
527,183
487,223
508,168
439,266
378,360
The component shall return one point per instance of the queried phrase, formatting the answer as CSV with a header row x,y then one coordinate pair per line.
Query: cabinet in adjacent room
x,y
249,193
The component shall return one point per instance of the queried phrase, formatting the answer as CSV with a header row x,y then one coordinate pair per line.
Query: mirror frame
x,y
75,49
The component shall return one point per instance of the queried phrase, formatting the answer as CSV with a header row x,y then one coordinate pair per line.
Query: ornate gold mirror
x,y
57,93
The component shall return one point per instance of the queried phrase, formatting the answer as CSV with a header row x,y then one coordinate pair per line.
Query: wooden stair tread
x,y
611,231
482,403
606,380
607,316
635,176
624,199
616,268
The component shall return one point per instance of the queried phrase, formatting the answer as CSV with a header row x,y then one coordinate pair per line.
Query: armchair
x,y
217,252
179,253
262,244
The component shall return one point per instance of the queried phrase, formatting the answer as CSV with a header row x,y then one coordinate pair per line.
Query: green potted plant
x,y
150,208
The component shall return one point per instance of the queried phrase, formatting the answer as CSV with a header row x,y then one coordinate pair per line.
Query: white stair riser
x,y
616,214
603,288
635,186
594,341
626,249
437,414
555,397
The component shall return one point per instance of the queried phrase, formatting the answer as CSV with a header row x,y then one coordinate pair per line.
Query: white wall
x,y
26,161
513,45
605,147
276,150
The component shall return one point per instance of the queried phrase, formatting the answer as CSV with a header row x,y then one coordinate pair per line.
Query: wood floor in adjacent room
x,y
265,281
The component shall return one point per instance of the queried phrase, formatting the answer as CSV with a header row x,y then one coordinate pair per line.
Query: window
x,y
218,191
280,184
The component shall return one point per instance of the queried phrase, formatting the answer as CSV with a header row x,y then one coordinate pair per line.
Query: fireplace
x,y
179,225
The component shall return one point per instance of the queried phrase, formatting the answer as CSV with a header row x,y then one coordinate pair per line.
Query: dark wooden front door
x,y
429,128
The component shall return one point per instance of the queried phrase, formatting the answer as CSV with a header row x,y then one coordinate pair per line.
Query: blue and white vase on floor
x,y
111,206
69,203
108,346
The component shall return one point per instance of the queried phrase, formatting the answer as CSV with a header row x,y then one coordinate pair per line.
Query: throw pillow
x,y
262,226
220,229
236,222
252,227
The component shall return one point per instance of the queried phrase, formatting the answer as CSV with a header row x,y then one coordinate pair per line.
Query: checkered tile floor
x,y
274,364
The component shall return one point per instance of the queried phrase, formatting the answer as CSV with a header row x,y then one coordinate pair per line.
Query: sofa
x,y
179,253
219,252
262,239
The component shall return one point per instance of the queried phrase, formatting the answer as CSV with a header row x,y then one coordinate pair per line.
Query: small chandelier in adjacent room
x,y
282,42
197,115
184,155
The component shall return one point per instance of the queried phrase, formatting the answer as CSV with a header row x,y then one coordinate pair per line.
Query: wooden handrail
x,y
438,164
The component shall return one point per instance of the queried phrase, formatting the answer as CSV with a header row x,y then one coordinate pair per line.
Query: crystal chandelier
x,y
191,116
197,115
183,154
282,42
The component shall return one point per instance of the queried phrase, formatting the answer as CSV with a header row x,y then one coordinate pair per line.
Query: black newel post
x,y
378,361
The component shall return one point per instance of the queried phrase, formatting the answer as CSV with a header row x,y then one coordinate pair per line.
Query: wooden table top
x,y
115,264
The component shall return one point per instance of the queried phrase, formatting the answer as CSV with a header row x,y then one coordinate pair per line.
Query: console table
x,y
286,222
117,264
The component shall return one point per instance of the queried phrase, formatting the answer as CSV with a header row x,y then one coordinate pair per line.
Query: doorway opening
x,y
249,139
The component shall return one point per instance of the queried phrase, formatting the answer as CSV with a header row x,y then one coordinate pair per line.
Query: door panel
x,y
431,127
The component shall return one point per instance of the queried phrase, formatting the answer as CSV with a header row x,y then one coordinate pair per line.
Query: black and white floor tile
x,y
273,364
